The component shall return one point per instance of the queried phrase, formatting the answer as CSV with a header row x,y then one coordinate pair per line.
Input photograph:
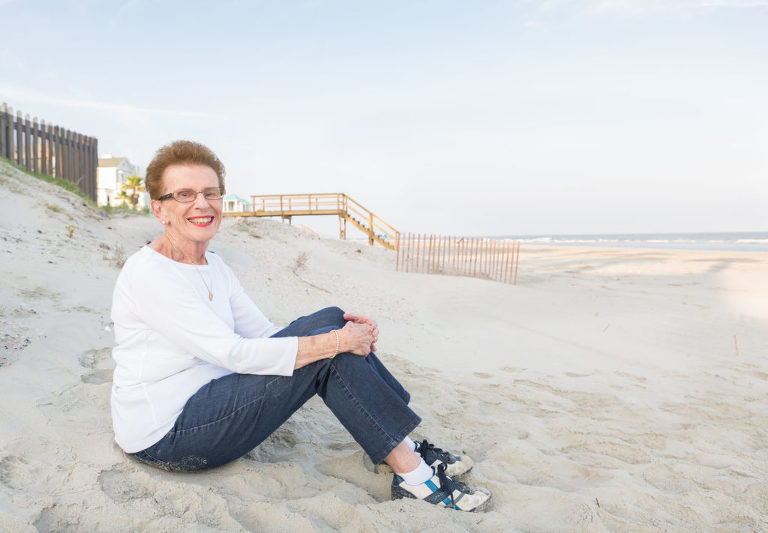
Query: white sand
x,y
633,378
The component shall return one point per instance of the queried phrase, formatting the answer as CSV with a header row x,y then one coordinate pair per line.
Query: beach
x,y
611,389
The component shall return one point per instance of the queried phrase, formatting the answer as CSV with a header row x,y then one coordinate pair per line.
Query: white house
x,y
112,172
234,204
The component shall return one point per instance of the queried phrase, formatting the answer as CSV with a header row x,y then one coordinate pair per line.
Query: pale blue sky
x,y
486,117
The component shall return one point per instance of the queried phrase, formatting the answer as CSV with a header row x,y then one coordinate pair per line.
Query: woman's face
x,y
196,221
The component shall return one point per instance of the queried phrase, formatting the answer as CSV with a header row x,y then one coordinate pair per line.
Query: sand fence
x,y
493,259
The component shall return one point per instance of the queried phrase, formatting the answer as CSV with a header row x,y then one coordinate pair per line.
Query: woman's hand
x,y
361,319
356,338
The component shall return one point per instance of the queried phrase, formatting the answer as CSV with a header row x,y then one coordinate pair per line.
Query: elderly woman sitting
x,y
202,376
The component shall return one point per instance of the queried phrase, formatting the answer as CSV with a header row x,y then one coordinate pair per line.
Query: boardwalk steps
x,y
287,206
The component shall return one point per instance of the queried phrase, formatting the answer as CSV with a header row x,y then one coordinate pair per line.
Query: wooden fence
x,y
459,256
48,149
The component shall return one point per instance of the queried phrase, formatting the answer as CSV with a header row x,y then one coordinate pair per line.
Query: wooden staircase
x,y
287,206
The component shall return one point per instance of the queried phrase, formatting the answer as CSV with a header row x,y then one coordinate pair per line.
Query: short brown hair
x,y
180,153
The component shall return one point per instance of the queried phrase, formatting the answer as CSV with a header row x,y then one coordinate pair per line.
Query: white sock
x,y
410,443
419,475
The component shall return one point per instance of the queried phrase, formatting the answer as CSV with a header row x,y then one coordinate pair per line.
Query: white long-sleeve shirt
x,y
171,340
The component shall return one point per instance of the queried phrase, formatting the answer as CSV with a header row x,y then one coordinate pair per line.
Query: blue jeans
x,y
230,416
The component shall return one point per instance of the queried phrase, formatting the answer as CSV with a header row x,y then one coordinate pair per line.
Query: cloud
x,y
31,95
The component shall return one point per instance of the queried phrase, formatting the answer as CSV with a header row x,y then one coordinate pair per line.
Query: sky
x,y
460,118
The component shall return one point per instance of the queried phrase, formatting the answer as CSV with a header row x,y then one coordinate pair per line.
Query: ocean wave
x,y
763,242
744,241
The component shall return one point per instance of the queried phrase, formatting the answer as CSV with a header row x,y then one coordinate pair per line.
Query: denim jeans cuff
x,y
379,457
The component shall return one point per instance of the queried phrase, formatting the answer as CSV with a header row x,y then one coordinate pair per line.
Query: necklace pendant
x,y
210,296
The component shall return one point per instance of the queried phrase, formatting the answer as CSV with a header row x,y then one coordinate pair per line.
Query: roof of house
x,y
110,161
232,196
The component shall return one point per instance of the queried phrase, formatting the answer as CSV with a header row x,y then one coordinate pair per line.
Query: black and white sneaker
x,y
441,490
455,465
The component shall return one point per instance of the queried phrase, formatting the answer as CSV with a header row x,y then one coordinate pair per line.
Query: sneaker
x,y
442,490
455,465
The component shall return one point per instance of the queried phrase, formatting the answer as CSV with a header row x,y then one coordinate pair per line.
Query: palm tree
x,y
134,185
123,196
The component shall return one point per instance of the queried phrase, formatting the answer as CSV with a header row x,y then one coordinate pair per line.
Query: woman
x,y
202,376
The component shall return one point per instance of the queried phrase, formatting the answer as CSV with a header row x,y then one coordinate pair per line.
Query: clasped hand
x,y
359,334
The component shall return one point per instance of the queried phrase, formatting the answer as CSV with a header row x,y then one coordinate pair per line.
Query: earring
x,y
163,222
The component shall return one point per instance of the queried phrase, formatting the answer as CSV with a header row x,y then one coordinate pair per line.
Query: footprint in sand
x,y
119,486
53,518
97,377
24,474
12,469
98,364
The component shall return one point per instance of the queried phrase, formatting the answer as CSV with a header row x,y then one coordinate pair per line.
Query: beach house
x,y
111,175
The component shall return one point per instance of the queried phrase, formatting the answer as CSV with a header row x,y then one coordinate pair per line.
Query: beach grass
x,y
71,187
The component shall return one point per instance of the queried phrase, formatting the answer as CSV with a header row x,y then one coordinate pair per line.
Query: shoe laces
x,y
446,483
429,448
451,485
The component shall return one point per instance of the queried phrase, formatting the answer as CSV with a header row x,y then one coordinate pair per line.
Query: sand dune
x,y
611,390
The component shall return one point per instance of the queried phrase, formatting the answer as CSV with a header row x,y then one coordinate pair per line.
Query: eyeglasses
x,y
186,196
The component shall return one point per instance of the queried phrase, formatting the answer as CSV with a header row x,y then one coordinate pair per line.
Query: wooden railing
x,y
347,209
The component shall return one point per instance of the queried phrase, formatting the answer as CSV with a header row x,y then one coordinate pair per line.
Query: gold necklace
x,y
210,291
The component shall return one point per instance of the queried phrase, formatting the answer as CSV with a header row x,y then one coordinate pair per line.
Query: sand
x,y
610,390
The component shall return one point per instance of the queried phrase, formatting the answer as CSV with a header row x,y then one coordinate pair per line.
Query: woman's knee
x,y
325,319
335,316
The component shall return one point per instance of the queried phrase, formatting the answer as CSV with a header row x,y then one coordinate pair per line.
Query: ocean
x,y
743,242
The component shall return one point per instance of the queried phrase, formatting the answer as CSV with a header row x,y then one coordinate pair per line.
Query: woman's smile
x,y
201,222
